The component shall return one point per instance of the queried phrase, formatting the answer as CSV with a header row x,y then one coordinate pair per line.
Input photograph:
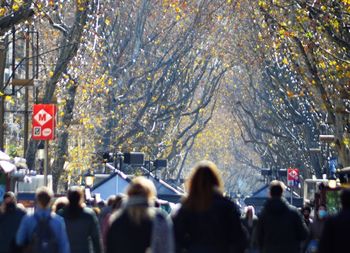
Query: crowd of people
x,y
206,222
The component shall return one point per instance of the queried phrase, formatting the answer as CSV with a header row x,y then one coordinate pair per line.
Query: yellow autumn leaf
x,y
9,99
15,7
322,65
346,141
178,17
51,74
285,61
2,12
107,21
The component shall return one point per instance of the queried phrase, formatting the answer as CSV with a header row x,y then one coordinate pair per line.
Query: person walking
x,y
44,231
249,221
81,224
316,229
138,227
207,222
10,219
280,227
306,211
114,203
335,235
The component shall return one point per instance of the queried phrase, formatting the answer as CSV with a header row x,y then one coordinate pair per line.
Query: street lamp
x,y
89,179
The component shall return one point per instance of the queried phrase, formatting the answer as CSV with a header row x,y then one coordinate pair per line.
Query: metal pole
x,y
26,97
46,162
3,51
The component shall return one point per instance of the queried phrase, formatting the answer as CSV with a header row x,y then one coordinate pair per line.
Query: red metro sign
x,y
43,122
293,175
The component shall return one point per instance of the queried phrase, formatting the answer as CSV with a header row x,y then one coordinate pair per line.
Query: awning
x,y
7,167
4,156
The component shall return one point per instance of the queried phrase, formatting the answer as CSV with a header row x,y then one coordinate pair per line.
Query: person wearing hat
x,y
10,219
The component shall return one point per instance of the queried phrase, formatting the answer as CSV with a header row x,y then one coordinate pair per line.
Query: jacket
x,y
215,230
335,235
82,230
153,233
9,224
280,228
29,222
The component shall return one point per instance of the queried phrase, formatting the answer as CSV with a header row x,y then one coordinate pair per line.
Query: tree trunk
x,y
61,153
340,138
70,45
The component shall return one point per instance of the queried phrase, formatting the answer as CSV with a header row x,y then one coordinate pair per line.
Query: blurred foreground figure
x,y
138,227
280,226
10,218
43,232
81,224
207,222
335,234
249,221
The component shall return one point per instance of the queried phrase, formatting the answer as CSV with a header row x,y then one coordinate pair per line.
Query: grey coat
x,y
83,231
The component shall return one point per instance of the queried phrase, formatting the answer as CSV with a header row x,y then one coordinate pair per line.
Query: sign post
x,y
293,180
43,128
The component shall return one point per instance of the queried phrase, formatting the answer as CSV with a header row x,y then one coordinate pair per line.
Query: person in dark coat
x,y
81,224
10,219
335,234
316,229
207,222
138,227
280,227
249,221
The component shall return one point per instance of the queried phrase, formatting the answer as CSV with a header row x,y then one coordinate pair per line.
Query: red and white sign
x,y
293,175
44,122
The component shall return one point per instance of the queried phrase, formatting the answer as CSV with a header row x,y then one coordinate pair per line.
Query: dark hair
x,y
306,208
111,200
118,202
345,198
75,197
43,196
276,189
204,182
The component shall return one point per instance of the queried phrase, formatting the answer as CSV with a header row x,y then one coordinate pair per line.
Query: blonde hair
x,y
204,182
141,186
144,188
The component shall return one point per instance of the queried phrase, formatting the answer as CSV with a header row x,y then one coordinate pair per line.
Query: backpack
x,y
43,239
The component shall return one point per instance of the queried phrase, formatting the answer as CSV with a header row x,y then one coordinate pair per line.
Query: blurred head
x,y
142,187
203,183
141,195
9,201
276,189
322,212
75,196
345,198
249,212
43,197
118,202
306,212
59,204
